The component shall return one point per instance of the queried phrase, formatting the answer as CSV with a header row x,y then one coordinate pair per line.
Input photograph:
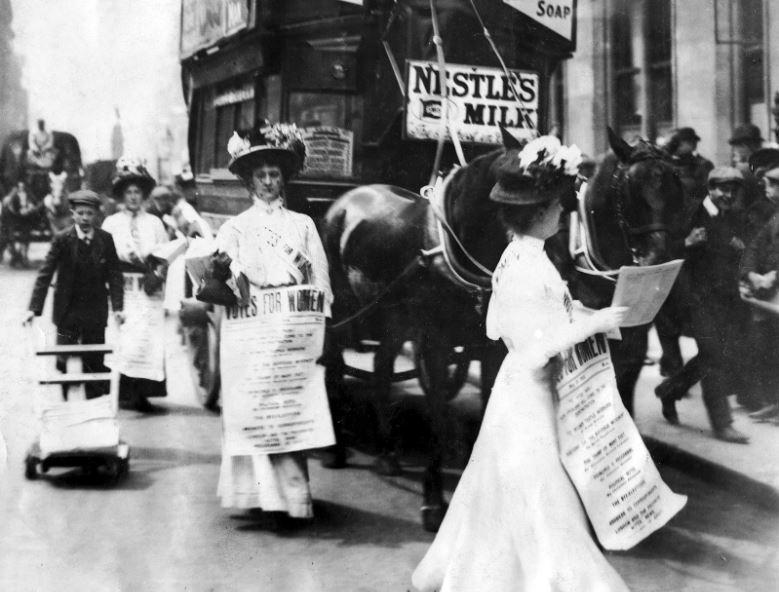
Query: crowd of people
x,y
730,252
731,237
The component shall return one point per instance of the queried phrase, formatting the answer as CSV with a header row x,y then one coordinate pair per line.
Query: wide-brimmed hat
x,y
185,179
725,174
84,197
686,134
764,158
280,144
542,171
746,133
132,170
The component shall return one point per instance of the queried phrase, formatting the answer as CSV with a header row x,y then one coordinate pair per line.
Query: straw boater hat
x,y
280,144
132,170
542,171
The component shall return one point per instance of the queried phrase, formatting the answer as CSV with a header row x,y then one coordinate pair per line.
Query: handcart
x,y
79,432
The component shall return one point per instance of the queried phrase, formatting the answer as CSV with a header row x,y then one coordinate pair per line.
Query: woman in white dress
x,y
515,522
136,233
270,246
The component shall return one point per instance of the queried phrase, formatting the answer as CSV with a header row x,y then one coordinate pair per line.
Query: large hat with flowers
x,y
542,171
132,170
280,143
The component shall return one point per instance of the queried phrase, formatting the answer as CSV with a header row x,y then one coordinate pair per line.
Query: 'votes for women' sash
x,y
274,397
603,453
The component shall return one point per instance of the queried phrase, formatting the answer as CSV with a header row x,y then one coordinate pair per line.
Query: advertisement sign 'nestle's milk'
x,y
479,101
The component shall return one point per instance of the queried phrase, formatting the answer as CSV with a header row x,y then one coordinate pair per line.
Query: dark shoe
x,y
766,413
334,457
669,411
730,434
145,407
283,522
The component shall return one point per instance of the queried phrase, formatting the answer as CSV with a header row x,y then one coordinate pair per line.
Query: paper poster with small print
x,y
605,457
274,398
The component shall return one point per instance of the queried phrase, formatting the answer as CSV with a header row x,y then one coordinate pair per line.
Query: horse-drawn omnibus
x,y
389,93
362,80
37,168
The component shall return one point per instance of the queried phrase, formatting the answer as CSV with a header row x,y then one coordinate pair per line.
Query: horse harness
x,y
620,188
439,257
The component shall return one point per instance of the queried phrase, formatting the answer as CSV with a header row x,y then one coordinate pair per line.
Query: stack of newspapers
x,y
78,425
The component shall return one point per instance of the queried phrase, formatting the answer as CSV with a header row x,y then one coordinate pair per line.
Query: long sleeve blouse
x,y
135,237
531,309
273,246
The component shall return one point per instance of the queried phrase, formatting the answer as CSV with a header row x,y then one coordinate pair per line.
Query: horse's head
x,y
636,200
57,185
473,216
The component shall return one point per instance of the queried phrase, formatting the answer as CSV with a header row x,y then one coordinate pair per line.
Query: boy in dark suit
x,y
84,258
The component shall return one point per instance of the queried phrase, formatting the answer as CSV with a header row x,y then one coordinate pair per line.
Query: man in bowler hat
x,y
87,267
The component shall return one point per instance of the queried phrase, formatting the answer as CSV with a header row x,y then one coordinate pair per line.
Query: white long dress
x,y
515,522
273,482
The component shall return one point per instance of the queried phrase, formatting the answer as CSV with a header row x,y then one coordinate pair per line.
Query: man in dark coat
x,y
693,170
87,267
718,315
759,271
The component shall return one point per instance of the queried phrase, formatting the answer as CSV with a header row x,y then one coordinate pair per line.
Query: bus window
x,y
235,110
332,124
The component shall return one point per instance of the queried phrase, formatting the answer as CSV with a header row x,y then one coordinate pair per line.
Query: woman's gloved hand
x,y
220,266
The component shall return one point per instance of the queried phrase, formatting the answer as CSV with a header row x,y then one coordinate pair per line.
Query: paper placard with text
x,y
142,335
620,487
274,397
644,289
479,102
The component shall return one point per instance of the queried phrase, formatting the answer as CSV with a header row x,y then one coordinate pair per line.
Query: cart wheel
x,y
456,373
30,468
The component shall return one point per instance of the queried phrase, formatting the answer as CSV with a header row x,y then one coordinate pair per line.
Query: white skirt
x,y
515,523
272,482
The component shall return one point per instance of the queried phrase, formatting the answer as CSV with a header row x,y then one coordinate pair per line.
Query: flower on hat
x,y
237,145
281,135
130,164
546,155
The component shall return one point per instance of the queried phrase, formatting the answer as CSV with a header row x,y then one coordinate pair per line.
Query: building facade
x,y
645,67
13,97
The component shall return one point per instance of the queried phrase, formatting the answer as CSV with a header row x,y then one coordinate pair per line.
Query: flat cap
x,y
725,174
85,197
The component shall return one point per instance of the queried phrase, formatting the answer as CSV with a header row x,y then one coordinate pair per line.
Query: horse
x,y
387,250
56,203
388,258
634,211
20,215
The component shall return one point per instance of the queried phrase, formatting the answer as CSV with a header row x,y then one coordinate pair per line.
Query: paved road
x,y
162,528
